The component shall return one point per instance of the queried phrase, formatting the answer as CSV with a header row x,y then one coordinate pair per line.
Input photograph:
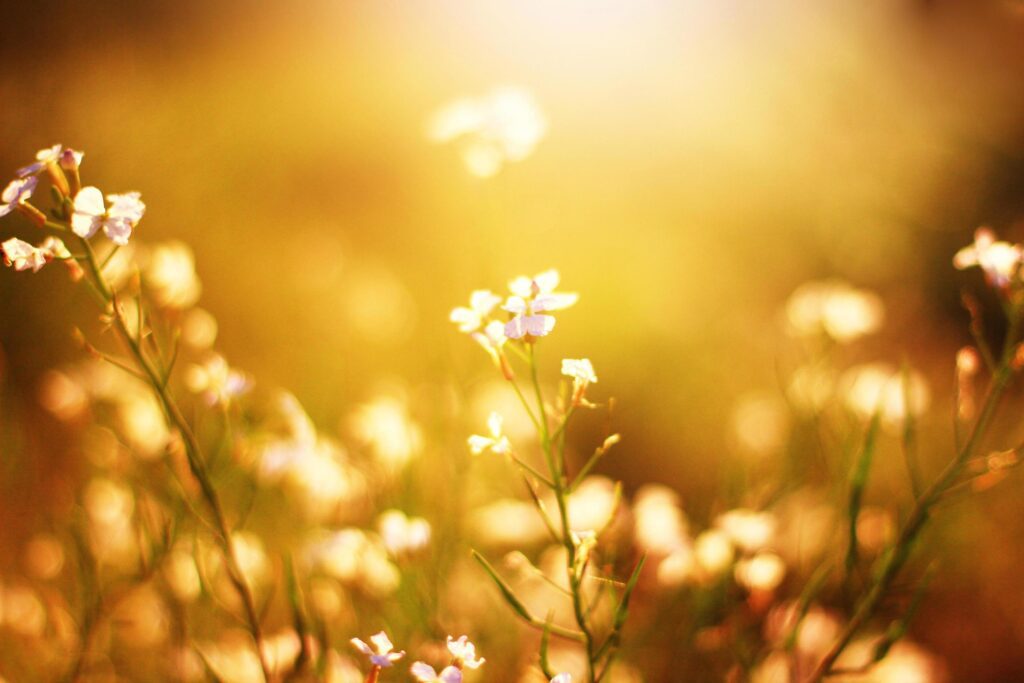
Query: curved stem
x,y
193,454
919,515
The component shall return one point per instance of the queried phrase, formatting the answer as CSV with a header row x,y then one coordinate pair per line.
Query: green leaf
x,y
858,482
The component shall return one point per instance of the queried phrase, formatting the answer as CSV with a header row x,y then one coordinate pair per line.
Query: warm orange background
x,y
702,160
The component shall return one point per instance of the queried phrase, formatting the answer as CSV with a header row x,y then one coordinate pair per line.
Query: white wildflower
x,y
496,442
117,221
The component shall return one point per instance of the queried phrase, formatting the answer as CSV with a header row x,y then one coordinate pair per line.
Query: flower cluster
x,y
82,209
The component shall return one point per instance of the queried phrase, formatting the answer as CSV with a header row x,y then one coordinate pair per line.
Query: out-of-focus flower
x,y
562,678
313,471
218,383
182,574
143,424
198,329
501,127
17,193
659,524
496,443
997,259
141,618
775,668
492,338
582,373
471,319
356,559
835,308
749,530
44,556
464,653
508,523
760,423
22,610
678,567
117,221
233,659
62,396
762,572
529,301
714,551
170,275
403,535
425,673
382,653
875,528
386,426
592,504
341,669
877,388
811,387
23,256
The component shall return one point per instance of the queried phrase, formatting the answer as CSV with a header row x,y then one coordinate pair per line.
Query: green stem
x,y
194,456
561,495
900,553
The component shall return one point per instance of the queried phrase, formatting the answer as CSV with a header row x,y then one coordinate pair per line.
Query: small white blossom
x,y
117,221
464,653
562,678
425,673
403,535
22,255
999,260
496,442
582,373
49,155
17,192
216,381
382,653
531,299
471,319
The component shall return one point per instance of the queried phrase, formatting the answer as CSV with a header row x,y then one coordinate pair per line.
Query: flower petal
x,y
450,674
423,672
554,301
382,643
89,201
118,230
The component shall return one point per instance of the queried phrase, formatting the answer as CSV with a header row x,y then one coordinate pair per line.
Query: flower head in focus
x,y
531,299
17,193
496,442
21,255
999,260
117,220
382,653
45,156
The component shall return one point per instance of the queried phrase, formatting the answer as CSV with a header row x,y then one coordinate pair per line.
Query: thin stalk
x,y
194,456
900,553
561,495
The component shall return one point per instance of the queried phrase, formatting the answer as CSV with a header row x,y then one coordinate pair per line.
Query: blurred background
x,y
700,161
